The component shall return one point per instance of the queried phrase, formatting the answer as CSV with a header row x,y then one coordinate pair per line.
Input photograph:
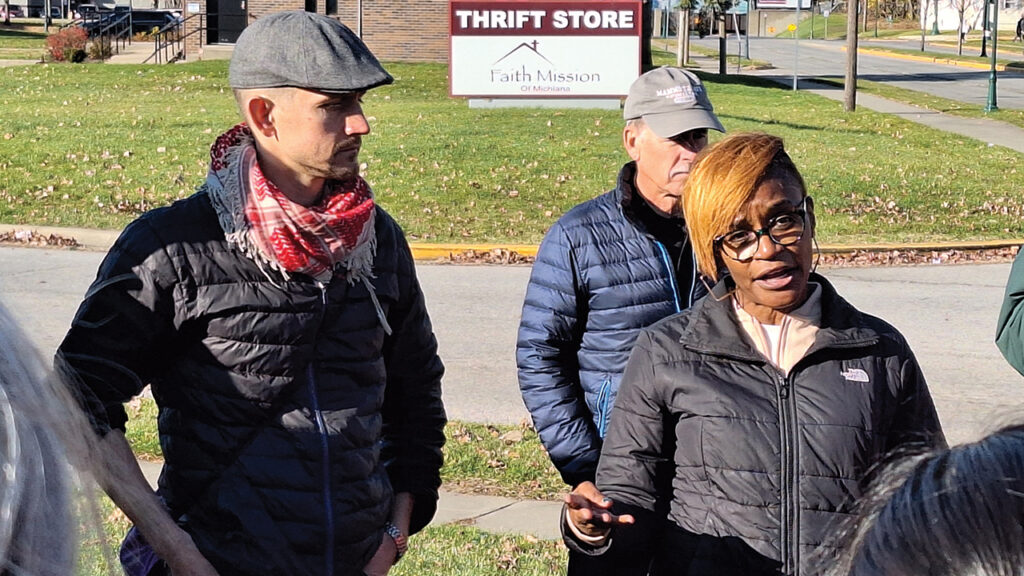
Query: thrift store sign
x,y
568,49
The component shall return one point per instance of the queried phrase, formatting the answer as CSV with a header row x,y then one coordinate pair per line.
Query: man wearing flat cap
x,y
277,317
608,268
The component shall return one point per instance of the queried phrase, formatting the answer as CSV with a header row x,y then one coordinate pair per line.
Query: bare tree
x,y
7,12
683,32
961,7
924,22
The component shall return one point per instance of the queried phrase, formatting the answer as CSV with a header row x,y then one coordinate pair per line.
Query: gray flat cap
x,y
671,101
304,50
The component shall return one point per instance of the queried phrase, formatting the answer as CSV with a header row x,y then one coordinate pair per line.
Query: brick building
x,y
406,30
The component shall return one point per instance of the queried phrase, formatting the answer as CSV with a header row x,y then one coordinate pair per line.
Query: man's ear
x,y
259,110
631,140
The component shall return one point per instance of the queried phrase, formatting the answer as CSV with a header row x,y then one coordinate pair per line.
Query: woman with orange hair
x,y
745,425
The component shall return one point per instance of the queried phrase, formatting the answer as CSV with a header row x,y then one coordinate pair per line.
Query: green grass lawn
x,y
834,28
819,28
94,145
17,44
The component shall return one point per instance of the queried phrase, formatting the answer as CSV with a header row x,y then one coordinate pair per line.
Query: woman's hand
x,y
588,510
384,559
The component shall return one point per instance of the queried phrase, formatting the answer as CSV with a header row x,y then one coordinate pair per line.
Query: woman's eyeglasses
x,y
785,230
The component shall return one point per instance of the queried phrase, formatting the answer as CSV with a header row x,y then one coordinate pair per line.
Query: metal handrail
x,y
170,39
117,31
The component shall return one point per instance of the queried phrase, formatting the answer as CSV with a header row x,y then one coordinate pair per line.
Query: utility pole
x,y
850,88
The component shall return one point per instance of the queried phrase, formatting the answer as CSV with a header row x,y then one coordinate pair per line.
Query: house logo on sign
x,y
526,66
532,47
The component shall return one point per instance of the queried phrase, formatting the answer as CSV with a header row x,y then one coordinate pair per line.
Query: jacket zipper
x,y
789,496
602,408
324,454
693,269
671,274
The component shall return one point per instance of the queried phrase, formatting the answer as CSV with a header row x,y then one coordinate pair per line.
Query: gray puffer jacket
x,y
761,463
288,417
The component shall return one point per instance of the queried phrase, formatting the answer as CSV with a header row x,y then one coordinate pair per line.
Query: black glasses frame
x,y
800,211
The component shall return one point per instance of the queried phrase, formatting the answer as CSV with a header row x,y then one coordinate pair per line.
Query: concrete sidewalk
x,y
992,132
488,513
138,52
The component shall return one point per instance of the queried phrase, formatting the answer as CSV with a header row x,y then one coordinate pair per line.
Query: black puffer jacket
x,y
763,463
287,416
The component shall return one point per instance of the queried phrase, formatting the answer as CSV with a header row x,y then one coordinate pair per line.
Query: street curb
x,y
936,60
102,240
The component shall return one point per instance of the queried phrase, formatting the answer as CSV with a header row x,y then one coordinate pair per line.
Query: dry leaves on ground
x,y
853,258
917,257
493,256
30,238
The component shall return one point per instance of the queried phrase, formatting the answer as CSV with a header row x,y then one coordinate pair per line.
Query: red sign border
x,y
639,64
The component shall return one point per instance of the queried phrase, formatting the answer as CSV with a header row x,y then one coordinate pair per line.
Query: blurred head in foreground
x,y
38,530
948,512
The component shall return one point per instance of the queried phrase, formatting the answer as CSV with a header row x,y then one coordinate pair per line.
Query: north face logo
x,y
855,375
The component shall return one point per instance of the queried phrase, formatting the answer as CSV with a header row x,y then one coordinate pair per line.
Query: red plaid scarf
x,y
266,225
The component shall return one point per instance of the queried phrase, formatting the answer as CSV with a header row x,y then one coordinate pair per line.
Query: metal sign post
x,y
990,105
796,46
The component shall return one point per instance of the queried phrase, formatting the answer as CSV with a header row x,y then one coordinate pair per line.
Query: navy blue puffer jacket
x,y
598,279
288,415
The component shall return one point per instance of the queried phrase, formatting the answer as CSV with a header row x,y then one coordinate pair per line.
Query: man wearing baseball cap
x,y
608,268
277,317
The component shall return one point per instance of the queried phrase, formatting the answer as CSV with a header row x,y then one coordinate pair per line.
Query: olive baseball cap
x,y
303,50
671,101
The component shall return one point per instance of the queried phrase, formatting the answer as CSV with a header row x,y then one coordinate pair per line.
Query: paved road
x,y
827,58
946,312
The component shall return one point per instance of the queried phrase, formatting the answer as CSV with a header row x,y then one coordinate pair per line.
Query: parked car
x,y
83,10
16,12
38,11
148,20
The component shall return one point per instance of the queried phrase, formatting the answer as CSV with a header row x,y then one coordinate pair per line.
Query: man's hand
x,y
384,559
187,560
118,472
588,511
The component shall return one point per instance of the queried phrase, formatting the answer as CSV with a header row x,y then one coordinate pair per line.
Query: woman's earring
x,y
817,254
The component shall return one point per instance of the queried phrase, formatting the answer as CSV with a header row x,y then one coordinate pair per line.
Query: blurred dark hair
x,y
947,512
